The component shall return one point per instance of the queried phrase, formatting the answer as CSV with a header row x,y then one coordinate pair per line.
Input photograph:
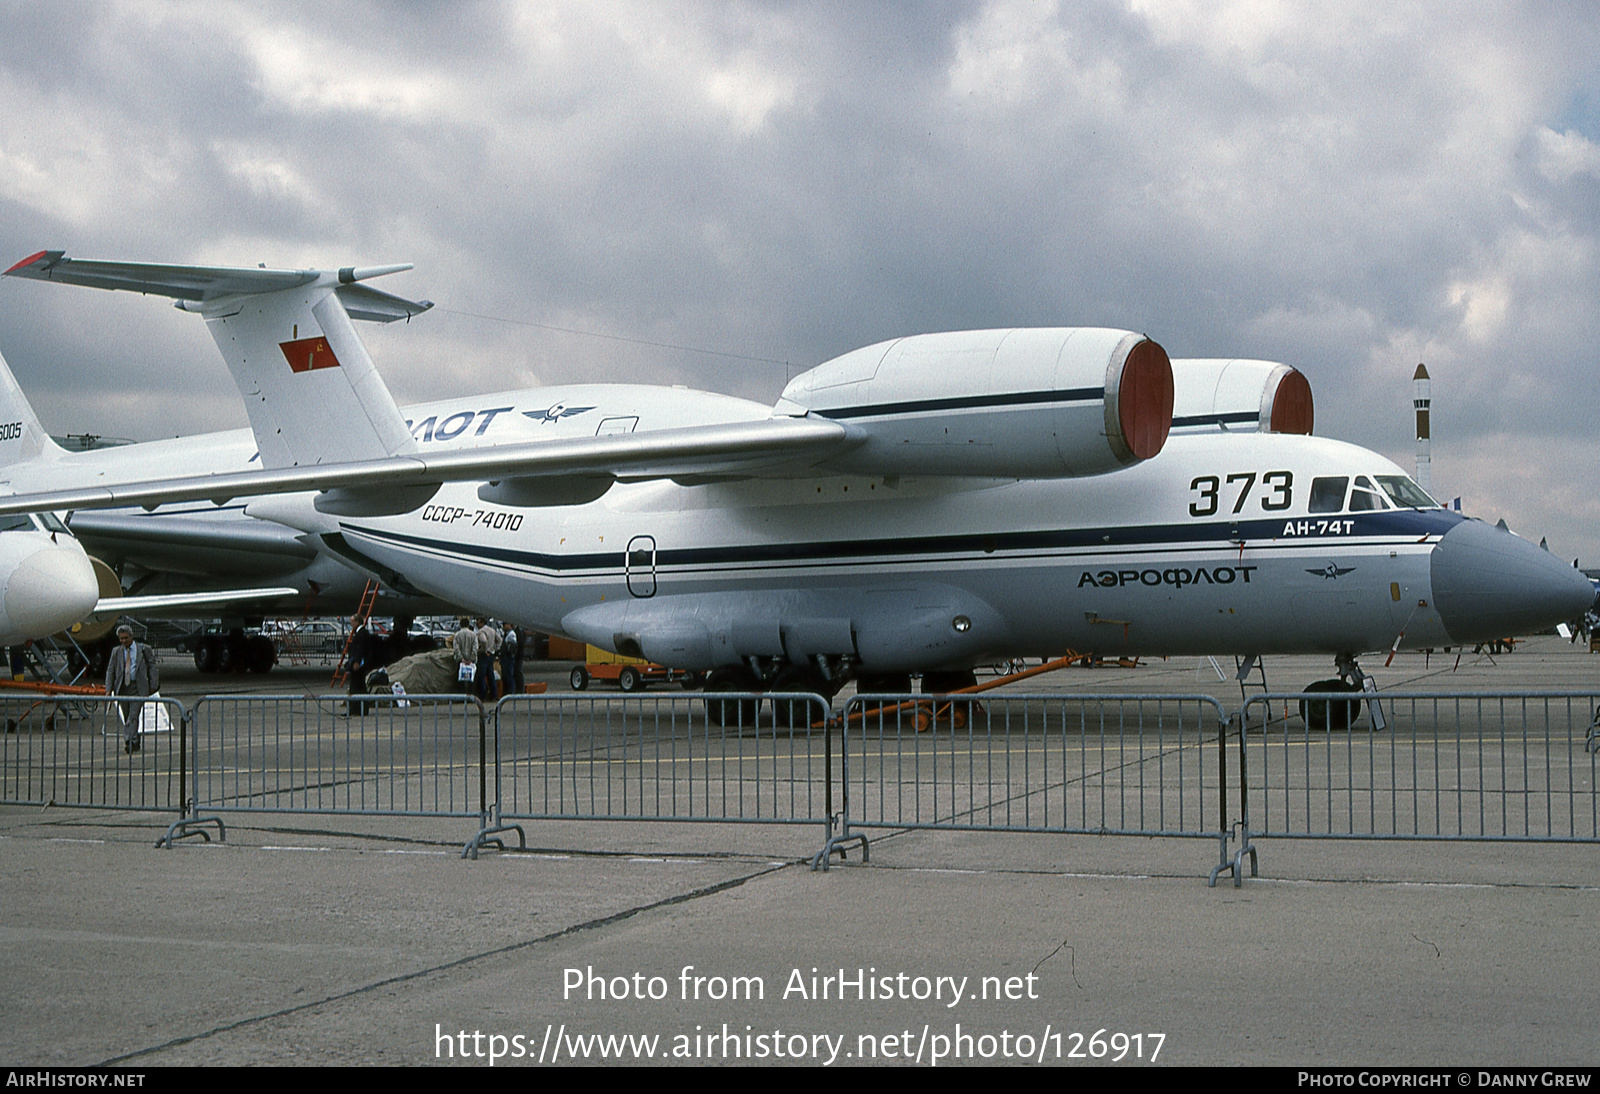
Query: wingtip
x,y
30,260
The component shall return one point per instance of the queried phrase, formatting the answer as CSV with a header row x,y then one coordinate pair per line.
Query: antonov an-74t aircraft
x,y
921,505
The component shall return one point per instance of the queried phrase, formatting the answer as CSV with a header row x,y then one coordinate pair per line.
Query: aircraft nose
x,y
50,590
1488,583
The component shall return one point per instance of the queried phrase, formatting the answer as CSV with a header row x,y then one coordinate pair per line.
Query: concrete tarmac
x,y
328,939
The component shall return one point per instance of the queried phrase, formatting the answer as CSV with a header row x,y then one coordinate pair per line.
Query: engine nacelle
x,y
1211,394
1055,402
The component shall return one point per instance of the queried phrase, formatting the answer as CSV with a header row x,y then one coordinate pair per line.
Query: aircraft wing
x,y
110,607
725,450
267,543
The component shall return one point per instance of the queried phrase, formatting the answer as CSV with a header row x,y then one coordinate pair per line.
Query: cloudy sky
x,y
724,194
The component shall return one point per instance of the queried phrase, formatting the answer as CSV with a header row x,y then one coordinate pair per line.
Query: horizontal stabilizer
x,y
198,284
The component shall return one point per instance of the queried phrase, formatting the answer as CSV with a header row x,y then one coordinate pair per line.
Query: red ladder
x,y
363,610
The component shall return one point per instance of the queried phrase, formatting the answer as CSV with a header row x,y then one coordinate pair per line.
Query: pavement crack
x,y
1072,953
377,985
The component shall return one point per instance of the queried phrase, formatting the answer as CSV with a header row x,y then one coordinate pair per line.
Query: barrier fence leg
x,y
490,823
188,823
836,835
1234,864
488,835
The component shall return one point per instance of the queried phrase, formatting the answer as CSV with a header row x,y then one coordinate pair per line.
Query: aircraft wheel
x,y
694,681
1328,714
629,679
799,713
737,713
205,654
883,683
579,678
231,655
942,683
262,654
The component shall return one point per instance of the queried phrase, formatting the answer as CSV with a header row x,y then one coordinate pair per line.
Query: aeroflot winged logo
x,y
1330,570
305,354
555,413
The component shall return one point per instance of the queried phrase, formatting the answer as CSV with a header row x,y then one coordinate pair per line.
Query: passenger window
x,y
1327,494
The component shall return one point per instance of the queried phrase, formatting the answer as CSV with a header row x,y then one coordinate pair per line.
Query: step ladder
x,y
39,656
369,595
1251,672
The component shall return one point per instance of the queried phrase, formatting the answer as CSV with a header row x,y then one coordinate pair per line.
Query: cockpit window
x,y
1327,494
1365,496
16,522
1405,493
51,522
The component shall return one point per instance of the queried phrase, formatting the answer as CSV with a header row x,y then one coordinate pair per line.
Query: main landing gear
x,y
234,651
1335,714
824,676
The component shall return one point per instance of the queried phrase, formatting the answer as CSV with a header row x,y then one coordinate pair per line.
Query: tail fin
x,y
309,387
22,438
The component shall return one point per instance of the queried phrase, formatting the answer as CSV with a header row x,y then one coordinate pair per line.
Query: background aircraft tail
x,y
22,438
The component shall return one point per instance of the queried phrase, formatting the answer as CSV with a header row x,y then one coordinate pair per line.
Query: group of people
x,y
478,645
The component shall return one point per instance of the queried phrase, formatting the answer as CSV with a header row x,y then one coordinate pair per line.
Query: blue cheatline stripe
x,y
966,402
1118,540
1216,419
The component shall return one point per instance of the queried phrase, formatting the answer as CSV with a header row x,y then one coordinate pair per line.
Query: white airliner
x,y
920,505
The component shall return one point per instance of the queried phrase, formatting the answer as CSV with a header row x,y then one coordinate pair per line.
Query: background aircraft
x,y
48,581
923,504
49,585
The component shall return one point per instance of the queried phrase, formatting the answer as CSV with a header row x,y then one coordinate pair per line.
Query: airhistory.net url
x,y
558,1046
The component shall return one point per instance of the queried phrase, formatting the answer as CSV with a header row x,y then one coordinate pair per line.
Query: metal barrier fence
x,y
72,750
1400,765
416,756
1102,764
742,758
1422,766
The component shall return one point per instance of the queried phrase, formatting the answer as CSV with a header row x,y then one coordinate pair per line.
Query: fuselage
x,y
1223,543
909,573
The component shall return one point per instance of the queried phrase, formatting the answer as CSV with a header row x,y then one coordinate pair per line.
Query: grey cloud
x,y
791,181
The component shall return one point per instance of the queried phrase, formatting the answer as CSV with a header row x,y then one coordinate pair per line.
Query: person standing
x,y
511,660
465,644
488,646
131,671
365,655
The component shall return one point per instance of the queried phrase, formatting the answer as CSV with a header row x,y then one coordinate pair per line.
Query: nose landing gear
x,y
1335,714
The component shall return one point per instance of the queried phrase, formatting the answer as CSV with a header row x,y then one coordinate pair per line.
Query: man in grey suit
x,y
131,670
